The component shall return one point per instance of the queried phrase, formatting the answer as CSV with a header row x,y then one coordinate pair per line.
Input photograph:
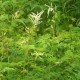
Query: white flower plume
x,y
36,17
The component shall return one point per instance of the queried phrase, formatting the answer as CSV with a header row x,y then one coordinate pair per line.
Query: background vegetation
x,y
39,39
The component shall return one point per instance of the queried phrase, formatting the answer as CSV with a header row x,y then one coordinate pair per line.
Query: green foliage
x,y
39,40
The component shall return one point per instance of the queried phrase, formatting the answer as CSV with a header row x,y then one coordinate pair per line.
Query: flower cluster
x,y
36,18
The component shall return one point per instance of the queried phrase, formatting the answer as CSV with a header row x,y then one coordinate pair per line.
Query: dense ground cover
x,y
39,39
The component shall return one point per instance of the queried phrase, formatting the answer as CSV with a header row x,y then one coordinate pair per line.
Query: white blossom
x,y
36,18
